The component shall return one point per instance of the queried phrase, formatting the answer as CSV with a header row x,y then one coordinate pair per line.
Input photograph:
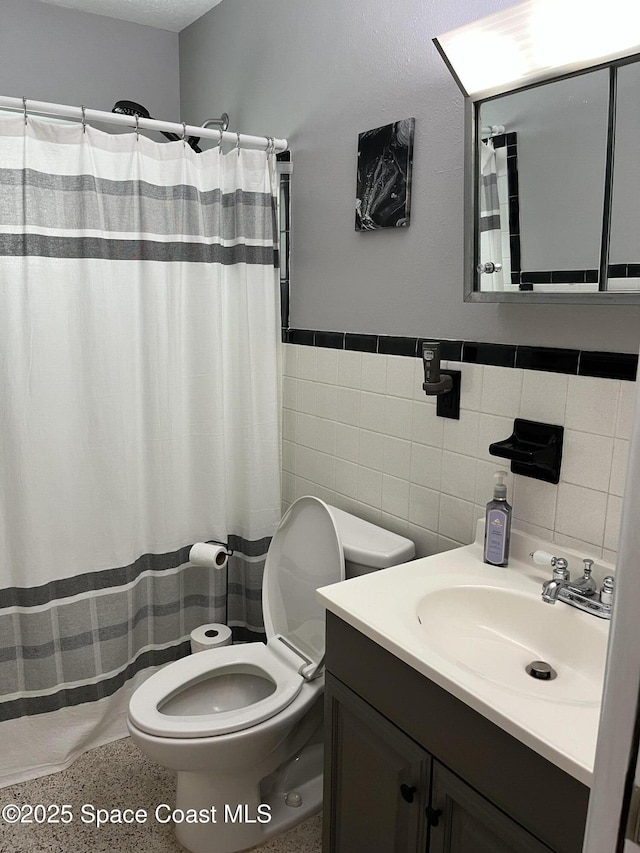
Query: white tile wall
x,y
359,432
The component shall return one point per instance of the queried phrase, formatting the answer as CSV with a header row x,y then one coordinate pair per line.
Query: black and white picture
x,y
384,176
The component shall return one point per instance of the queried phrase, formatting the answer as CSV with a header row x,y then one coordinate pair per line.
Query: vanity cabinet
x,y
380,780
411,769
465,822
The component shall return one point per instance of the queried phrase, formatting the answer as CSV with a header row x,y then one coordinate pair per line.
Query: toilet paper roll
x,y
209,556
210,636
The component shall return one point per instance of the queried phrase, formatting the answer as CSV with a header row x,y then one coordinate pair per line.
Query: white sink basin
x,y
496,632
472,629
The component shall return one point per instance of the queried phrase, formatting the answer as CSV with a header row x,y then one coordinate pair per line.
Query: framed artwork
x,y
383,192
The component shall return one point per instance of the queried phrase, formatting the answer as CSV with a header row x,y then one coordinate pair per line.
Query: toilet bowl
x,y
242,724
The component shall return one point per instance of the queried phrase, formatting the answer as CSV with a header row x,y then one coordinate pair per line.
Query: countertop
x,y
383,605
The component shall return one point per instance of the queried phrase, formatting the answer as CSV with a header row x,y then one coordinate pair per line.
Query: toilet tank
x,y
368,547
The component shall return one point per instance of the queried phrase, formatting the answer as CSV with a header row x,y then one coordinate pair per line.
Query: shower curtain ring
x,y
184,134
84,121
137,127
238,143
24,106
220,140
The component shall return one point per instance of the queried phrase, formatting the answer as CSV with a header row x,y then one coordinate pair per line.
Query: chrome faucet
x,y
551,590
581,593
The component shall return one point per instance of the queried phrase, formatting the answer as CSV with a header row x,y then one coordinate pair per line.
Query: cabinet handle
x,y
407,792
433,816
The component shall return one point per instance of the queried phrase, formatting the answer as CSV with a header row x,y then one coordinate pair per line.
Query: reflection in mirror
x,y
541,186
624,244
495,227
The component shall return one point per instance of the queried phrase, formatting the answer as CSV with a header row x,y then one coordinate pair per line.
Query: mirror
x,y
555,178
624,245
549,168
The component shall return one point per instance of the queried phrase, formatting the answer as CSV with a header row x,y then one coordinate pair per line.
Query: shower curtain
x,y
139,413
491,233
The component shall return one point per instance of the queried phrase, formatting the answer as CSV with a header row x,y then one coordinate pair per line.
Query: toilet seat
x,y
305,553
253,659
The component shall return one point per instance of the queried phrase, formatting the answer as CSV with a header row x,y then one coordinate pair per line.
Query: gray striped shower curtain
x,y
139,413
494,230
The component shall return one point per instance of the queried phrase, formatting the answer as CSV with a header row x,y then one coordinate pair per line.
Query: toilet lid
x,y
305,553
214,692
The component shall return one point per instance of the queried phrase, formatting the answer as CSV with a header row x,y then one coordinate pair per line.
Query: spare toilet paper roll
x,y
210,637
209,556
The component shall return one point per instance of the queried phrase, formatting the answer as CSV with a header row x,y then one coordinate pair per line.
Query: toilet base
x,y
246,816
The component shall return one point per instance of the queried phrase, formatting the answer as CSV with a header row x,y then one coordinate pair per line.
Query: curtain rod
x,y
243,140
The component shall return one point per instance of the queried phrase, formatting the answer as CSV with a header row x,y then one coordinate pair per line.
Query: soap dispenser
x,y
497,530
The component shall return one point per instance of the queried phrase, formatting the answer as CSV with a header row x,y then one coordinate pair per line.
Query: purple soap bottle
x,y
497,530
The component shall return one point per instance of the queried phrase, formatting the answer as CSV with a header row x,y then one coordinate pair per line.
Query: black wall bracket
x,y
448,404
535,450
446,386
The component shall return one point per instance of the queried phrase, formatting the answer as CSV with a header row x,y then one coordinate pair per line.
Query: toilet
x,y
242,724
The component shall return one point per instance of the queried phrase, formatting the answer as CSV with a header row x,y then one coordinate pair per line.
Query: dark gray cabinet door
x,y
464,822
376,780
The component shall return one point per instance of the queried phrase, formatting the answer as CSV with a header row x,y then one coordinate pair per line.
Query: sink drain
x,y
541,670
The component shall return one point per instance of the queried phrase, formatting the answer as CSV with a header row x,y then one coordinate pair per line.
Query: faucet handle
x,y
588,566
606,593
559,565
543,558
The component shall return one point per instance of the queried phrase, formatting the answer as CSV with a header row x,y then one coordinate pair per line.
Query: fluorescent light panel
x,y
538,39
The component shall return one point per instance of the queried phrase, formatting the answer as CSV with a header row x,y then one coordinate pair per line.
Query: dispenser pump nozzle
x,y
500,489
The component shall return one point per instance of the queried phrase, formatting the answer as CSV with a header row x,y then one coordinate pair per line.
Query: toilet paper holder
x,y
219,560
226,545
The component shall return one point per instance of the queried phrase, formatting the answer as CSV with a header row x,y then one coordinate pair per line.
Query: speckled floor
x,y
116,776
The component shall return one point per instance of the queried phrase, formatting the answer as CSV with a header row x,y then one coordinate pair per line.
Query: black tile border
x,y
528,278
602,365
361,343
500,355
301,336
551,359
334,340
630,270
397,346
608,365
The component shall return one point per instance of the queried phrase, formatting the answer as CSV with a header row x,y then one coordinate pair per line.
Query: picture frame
x,y
384,172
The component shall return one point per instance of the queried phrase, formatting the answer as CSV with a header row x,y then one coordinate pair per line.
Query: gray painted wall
x,y
321,72
49,53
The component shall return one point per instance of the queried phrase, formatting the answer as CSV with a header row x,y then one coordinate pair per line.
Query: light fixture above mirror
x,y
538,40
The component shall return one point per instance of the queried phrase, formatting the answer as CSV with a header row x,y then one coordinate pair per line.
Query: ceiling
x,y
172,15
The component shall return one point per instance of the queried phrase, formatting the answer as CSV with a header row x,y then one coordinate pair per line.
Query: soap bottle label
x,y
496,538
